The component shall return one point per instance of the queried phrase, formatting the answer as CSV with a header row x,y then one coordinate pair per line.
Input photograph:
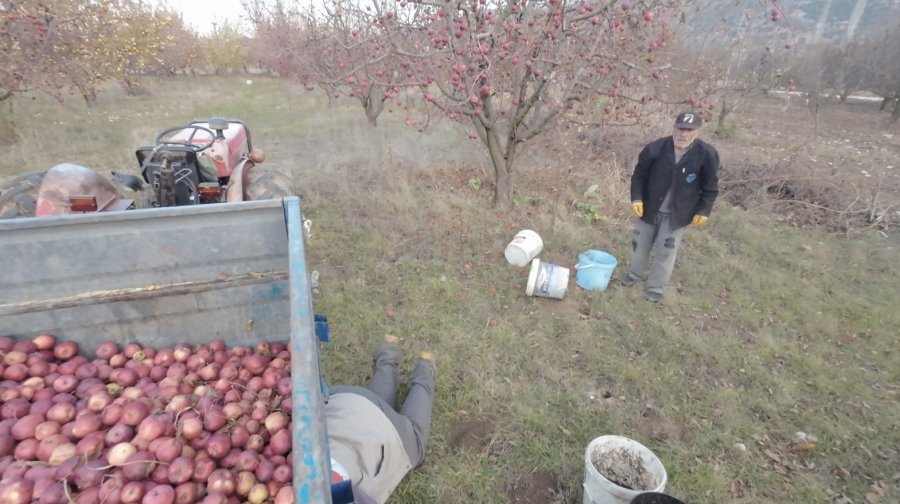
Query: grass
x,y
766,330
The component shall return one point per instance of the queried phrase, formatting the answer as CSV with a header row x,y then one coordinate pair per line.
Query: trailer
x,y
234,272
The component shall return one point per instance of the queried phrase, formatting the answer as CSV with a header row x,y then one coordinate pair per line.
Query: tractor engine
x,y
193,164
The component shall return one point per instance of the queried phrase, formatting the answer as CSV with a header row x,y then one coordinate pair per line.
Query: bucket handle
x,y
586,266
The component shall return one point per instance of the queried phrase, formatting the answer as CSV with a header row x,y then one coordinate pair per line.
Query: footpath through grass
x,y
766,330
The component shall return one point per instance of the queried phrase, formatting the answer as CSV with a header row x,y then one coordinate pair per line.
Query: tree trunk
x,y
8,134
726,109
373,105
503,187
329,91
90,96
815,107
132,87
502,162
816,119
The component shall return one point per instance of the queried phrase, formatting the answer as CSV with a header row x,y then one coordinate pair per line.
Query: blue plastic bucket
x,y
594,269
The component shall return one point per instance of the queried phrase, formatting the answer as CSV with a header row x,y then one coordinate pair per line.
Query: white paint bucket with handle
x,y
547,280
524,247
618,469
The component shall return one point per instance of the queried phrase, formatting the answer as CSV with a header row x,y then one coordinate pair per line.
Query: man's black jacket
x,y
694,181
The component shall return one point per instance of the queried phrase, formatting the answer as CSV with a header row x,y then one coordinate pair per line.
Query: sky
x,y
200,14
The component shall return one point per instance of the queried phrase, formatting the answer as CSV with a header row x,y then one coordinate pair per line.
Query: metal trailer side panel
x,y
156,276
311,459
234,272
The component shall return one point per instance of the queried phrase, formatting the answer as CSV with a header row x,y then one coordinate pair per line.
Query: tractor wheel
x,y
268,182
18,195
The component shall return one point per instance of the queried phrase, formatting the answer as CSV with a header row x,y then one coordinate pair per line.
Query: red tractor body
x,y
207,161
226,153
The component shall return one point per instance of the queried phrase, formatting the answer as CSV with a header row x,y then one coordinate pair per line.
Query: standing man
x,y
675,183
374,444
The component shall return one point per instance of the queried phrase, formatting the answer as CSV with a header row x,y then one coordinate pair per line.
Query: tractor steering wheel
x,y
195,148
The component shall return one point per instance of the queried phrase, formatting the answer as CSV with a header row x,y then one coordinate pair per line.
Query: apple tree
x,y
33,37
225,49
279,45
728,52
184,55
282,44
277,29
340,46
885,68
512,69
350,52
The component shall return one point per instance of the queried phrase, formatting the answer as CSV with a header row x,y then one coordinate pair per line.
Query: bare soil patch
x,y
473,434
654,424
539,487
565,307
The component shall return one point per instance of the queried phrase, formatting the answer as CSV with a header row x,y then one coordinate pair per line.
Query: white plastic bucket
x,y
525,246
547,280
618,469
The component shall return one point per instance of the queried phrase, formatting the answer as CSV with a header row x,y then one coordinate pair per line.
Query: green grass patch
x,y
765,331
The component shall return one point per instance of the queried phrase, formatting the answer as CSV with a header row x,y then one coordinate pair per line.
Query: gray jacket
x,y
366,444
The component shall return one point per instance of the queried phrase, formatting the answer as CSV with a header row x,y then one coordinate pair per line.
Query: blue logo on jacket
x,y
691,177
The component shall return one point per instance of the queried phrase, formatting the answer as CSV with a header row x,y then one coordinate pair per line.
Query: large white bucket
x,y
547,280
525,246
618,469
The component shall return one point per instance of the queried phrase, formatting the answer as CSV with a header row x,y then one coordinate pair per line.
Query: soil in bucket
x,y
624,468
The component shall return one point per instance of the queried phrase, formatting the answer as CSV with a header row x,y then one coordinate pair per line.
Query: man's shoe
x,y
429,358
628,281
654,297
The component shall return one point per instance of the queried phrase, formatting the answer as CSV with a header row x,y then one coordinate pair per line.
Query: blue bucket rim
x,y
589,256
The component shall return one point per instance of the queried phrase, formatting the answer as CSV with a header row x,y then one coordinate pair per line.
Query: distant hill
x,y
835,19
806,20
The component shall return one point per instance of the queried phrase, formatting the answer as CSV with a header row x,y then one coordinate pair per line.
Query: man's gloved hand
x,y
699,220
638,207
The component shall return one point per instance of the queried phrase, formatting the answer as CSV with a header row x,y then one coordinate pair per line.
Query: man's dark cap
x,y
688,120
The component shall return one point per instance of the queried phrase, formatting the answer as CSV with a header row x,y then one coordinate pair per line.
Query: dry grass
x,y
766,330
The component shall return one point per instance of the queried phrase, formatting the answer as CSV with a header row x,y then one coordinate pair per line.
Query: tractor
x,y
207,161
